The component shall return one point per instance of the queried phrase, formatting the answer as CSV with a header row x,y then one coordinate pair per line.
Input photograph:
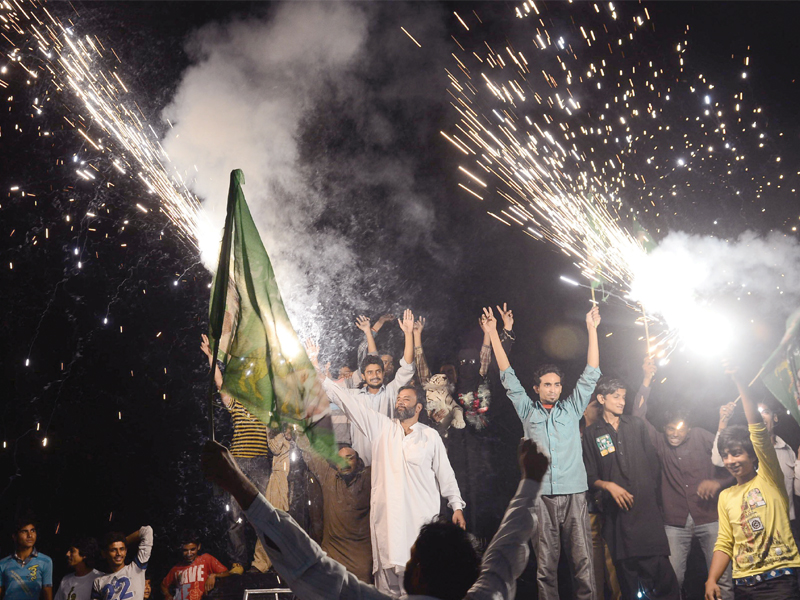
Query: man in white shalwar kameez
x,y
409,469
374,393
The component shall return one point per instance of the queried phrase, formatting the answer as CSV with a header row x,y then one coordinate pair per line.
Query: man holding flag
x,y
266,367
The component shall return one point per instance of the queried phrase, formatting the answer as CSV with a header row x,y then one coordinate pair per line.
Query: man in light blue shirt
x,y
26,574
561,513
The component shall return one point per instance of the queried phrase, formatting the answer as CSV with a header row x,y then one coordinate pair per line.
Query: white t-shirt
x,y
73,587
128,582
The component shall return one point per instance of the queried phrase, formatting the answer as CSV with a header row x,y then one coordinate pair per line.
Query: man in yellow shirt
x,y
754,528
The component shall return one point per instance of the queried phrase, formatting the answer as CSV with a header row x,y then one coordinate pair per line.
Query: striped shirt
x,y
249,434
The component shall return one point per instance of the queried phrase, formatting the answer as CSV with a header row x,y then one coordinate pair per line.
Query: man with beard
x,y
374,393
561,512
345,503
410,467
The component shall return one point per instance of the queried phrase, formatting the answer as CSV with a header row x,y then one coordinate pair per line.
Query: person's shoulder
x,y
6,560
592,429
44,558
96,573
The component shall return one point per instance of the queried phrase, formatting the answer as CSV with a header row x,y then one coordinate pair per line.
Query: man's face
x,y
74,557
450,372
549,388
613,402
373,375
25,538
676,432
148,590
189,552
350,457
345,373
115,555
738,462
388,363
406,406
770,418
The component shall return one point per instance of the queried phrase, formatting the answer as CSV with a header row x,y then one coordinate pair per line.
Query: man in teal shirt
x,y
561,513
26,574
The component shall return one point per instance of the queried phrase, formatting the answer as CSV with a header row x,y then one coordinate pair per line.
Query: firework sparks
x,y
77,66
578,134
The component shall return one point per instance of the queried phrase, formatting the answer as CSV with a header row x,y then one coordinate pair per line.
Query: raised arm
x,y
592,323
363,324
507,554
407,325
489,326
748,404
640,402
421,364
725,414
297,558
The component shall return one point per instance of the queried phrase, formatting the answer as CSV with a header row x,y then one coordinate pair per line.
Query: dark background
x,y
122,403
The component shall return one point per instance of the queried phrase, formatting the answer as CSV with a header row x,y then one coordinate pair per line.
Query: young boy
x,y
754,528
80,556
622,462
124,582
196,575
26,574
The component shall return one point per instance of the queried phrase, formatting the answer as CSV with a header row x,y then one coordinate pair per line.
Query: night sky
x,y
99,338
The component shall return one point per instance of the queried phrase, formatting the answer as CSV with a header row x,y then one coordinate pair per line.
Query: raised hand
x,y
649,367
381,320
725,414
205,346
407,322
593,317
419,325
508,317
488,321
363,323
312,350
532,463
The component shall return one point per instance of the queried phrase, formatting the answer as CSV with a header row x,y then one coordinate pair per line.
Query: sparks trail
x,y
76,68
585,139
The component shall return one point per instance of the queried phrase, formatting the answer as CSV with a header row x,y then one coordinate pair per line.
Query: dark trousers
x,y
651,575
780,588
563,522
257,470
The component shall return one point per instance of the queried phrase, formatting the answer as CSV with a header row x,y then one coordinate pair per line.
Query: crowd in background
x,y
622,500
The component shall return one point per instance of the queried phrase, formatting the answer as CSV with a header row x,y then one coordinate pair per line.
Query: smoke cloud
x,y
702,285
311,101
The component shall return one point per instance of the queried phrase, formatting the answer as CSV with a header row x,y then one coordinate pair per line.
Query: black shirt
x,y
626,456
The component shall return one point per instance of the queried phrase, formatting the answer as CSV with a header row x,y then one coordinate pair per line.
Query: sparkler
x,y
111,123
570,123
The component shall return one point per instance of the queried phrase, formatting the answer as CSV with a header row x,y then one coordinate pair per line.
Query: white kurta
x,y
383,402
408,473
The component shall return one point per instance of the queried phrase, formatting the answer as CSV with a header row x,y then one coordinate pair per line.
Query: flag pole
x,y
760,371
216,315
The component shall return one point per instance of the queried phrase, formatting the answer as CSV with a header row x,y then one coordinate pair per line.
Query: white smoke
x,y
252,100
691,281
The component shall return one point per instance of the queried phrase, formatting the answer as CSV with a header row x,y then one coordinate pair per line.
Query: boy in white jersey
x,y
78,584
124,582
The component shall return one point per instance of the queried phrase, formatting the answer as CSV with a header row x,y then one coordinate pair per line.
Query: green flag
x,y
266,366
782,369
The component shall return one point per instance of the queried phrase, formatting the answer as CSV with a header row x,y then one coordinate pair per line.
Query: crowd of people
x,y
622,500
